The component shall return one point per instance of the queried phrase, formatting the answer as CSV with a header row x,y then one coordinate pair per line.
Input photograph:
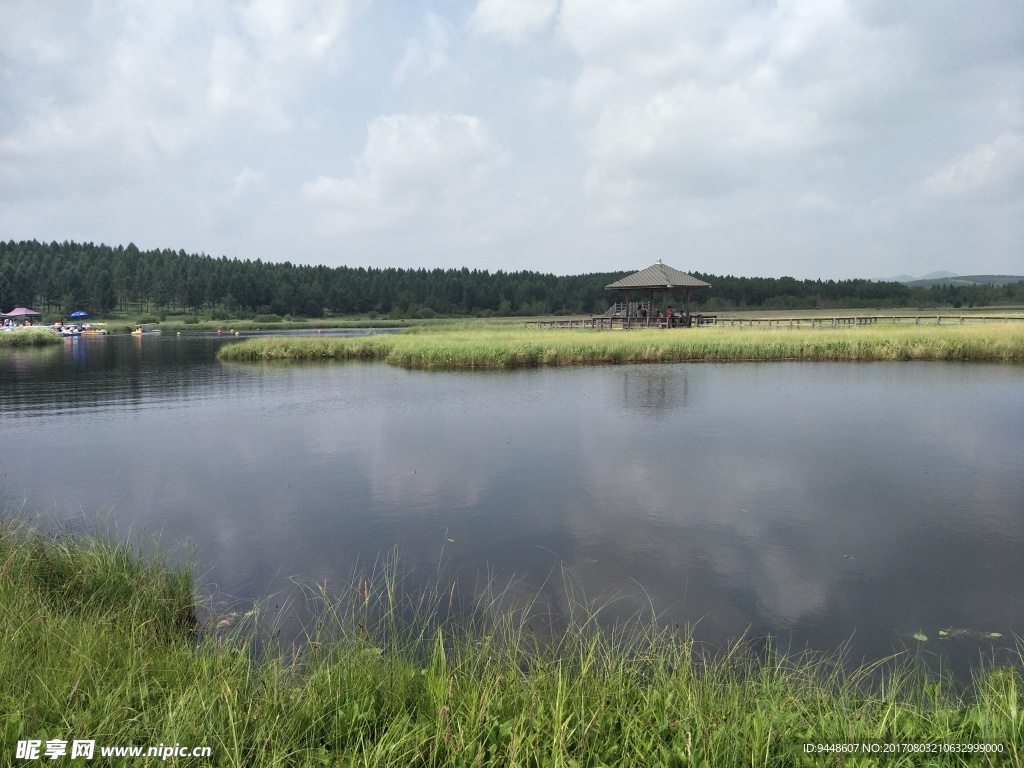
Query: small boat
x,y
140,330
92,330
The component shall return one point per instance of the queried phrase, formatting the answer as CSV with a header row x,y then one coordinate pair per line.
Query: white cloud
x,y
246,181
993,172
512,20
158,81
698,100
295,30
694,140
431,170
427,54
647,38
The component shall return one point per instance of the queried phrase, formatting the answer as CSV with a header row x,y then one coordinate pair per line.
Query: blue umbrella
x,y
79,313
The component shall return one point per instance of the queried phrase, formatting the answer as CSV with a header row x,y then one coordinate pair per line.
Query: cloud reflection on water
x,y
818,502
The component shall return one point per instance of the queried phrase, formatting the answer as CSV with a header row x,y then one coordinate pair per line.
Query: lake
x,y
820,503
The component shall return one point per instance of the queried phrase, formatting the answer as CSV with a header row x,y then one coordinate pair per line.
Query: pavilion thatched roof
x,y
657,277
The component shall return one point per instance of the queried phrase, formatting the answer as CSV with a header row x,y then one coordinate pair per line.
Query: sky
x,y
827,139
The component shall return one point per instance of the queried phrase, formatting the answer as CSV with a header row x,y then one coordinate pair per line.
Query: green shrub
x,y
30,337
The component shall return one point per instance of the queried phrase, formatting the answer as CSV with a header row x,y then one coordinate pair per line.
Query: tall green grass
x,y
505,347
99,643
29,337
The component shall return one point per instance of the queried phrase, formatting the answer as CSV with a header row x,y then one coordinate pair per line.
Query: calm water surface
x,y
822,503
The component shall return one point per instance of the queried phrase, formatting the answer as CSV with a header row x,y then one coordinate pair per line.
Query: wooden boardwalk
x,y
599,322
603,322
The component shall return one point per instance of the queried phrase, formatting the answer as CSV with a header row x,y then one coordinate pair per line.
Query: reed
x,y
490,347
98,643
29,337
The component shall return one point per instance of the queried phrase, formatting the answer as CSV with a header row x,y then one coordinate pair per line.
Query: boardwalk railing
x,y
844,322
604,322
620,310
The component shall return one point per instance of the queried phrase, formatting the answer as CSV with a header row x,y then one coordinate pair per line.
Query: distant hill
x,y
993,279
951,279
911,280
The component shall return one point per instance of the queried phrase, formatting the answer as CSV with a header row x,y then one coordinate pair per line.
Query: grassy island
x,y
35,336
491,346
102,643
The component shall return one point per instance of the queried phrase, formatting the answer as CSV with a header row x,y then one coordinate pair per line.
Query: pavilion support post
x,y
627,323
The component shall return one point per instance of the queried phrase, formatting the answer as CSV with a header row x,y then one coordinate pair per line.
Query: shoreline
x,y
109,642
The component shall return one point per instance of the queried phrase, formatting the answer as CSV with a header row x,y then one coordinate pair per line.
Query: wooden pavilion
x,y
657,278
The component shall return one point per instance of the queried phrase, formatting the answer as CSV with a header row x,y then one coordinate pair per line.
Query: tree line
x,y
63,277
